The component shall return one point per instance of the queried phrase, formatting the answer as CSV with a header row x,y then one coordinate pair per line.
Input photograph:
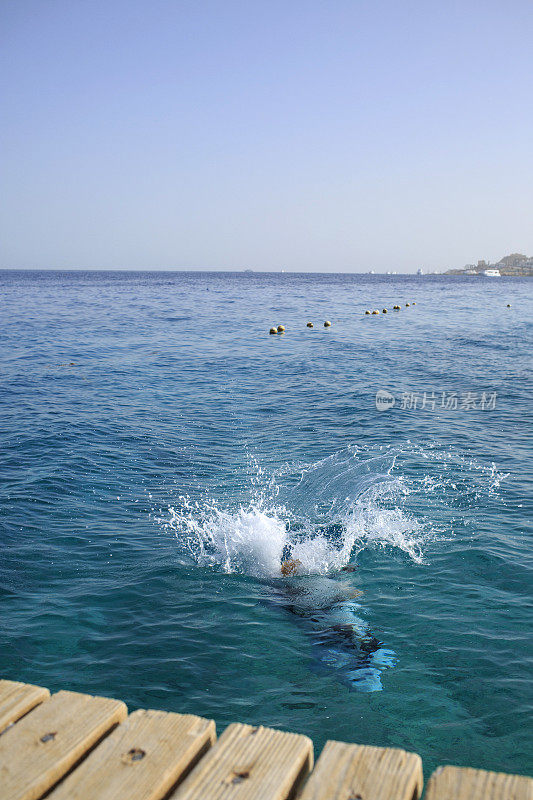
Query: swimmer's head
x,y
291,566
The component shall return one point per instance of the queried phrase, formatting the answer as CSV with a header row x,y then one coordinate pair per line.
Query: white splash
x,y
372,526
254,541
246,540
325,514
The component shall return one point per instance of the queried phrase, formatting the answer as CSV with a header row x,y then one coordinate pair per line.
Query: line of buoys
x,y
375,312
386,310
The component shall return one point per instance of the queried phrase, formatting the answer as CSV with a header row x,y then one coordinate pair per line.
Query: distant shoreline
x,y
452,273
515,265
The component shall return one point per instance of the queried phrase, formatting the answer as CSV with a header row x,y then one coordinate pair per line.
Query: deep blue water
x,y
161,453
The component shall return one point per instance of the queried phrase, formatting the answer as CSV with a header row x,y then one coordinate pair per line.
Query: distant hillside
x,y
513,259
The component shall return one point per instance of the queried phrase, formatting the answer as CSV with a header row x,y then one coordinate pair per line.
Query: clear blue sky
x,y
328,135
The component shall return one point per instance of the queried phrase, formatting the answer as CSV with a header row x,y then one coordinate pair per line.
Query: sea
x,y
162,454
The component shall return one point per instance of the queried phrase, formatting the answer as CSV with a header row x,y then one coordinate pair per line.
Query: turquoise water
x,y
161,453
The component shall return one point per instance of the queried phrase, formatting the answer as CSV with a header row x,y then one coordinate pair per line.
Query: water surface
x,y
161,453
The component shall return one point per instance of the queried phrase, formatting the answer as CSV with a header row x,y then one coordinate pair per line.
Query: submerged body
x,y
342,639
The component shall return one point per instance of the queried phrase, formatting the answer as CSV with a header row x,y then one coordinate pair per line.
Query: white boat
x,y
491,273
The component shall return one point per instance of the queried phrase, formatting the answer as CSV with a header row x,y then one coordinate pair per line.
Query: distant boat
x,y
247,271
419,272
491,273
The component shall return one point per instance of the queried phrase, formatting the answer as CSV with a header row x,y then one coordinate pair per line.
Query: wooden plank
x,y
248,762
38,751
141,760
463,783
16,699
369,773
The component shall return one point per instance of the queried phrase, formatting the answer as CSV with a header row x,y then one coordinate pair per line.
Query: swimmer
x,y
343,642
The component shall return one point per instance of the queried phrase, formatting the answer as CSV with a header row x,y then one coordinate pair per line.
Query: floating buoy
x,y
327,324
309,324
407,305
508,305
281,328
375,311
414,304
385,311
273,330
367,312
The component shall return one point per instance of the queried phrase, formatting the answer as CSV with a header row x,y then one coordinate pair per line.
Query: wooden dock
x,y
72,746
